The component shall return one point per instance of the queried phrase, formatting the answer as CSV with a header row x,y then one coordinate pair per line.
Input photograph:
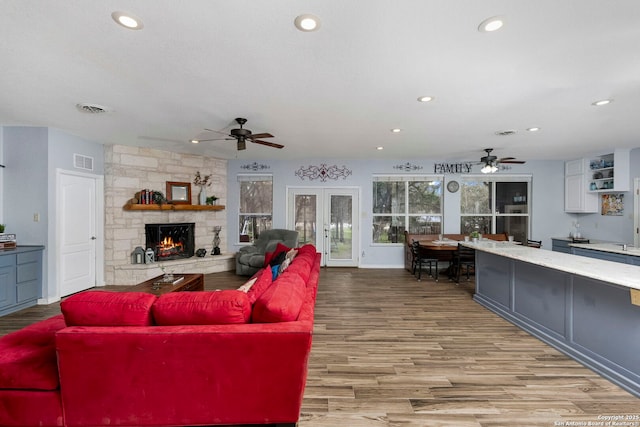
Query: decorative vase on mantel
x,y
202,197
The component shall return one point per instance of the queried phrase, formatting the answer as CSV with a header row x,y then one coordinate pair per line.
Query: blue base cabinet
x,y
20,278
592,321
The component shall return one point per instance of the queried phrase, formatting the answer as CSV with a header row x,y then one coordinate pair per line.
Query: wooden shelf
x,y
170,207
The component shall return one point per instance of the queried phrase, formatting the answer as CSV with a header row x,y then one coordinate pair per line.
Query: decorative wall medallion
x,y
255,167
408,167
456,168
323,172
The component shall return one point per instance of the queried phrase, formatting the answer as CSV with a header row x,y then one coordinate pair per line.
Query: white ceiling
x,y
336,92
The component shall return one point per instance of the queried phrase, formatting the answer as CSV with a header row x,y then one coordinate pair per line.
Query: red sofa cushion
x,y
28,356
202,308
282,301
102,308
264,279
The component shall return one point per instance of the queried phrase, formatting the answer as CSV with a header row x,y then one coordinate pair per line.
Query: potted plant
x,y
211,200
2,228
475,235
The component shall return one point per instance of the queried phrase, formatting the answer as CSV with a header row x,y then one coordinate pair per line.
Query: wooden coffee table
x,y
191,282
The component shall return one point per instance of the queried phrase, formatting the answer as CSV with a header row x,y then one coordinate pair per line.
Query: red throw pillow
x,y
271,255
202,308
102,308
282,301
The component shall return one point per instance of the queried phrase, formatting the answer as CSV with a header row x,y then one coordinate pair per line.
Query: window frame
x,y
406,212
243,178
493,180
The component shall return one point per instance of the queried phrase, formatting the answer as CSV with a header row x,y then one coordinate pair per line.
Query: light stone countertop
x,y
607,271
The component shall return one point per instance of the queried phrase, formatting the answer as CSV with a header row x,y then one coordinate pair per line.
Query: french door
x,y
327,218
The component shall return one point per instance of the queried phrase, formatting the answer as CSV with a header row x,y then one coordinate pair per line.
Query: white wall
x,y
548,217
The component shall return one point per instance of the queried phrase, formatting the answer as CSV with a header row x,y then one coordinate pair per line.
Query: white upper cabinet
x,y
576,197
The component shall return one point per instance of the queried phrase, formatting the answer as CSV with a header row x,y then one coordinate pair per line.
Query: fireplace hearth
x,y
171,241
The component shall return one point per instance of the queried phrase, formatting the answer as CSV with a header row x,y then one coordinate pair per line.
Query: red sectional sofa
x,y
186,358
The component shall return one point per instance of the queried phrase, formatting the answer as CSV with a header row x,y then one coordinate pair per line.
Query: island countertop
x,y
606,271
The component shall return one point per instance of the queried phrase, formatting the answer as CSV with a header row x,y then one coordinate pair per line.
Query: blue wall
x,y
547,216
31,156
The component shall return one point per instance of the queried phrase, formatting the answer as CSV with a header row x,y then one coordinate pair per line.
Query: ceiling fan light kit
x,y
491,162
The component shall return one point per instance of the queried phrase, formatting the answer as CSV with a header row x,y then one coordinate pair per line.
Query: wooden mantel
x,y
171,207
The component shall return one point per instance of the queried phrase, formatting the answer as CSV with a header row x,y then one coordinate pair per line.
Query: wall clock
x,y
453,186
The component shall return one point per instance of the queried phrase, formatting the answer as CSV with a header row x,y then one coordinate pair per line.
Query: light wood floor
x,y
391,351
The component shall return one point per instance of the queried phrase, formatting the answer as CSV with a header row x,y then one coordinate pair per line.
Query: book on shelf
x,y
169,280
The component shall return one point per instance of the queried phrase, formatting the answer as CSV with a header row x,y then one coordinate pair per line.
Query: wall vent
x,y
83,162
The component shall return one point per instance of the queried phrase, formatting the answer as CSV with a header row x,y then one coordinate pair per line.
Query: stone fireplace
x,y
171,240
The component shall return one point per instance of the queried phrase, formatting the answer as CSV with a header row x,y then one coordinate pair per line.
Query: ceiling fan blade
x,y
519,162
261,135
506,158
216,131
215,139
268,144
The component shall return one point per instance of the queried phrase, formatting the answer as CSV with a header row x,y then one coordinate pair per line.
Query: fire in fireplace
x,y
171,241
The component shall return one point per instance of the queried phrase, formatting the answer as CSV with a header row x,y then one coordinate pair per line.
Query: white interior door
x,y
328,218
77,233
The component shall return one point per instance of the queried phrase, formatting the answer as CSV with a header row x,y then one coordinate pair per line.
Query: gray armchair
x,y
250,259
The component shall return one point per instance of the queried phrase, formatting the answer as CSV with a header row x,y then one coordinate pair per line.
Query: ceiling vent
x,y
505,132
93,108
83,162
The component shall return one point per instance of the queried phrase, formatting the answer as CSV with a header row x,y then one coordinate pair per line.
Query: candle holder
x,y
216,240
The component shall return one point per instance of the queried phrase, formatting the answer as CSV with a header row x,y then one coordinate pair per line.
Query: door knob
x,y
93,237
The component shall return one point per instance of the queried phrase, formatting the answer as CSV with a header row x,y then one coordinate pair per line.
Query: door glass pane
x,y
340,246
305,218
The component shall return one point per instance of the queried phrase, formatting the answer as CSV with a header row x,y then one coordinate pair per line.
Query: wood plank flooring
x,y
391,351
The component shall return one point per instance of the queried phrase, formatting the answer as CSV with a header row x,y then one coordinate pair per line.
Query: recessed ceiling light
x,y
379,148
127,20
533,129
602,102
307,22
491,24
396,130
194,141
425,98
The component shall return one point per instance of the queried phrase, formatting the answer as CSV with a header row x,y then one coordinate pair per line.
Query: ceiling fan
x,y
491,162
242,135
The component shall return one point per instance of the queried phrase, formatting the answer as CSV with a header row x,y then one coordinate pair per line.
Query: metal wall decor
x,y
408,167
464,167
255,167
323,172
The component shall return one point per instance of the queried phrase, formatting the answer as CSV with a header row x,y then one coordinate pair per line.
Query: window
x,y
497,204
412,203
256,206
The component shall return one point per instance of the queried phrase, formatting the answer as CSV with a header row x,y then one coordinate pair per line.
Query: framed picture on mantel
x,y
179,193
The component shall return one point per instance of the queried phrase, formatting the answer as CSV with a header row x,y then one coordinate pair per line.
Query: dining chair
x,y
534,243
464,257
421,259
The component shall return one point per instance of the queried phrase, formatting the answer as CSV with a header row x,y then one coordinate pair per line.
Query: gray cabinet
x,y
607,256
20,278
560,245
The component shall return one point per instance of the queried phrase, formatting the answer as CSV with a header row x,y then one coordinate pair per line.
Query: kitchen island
x,y
581,306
